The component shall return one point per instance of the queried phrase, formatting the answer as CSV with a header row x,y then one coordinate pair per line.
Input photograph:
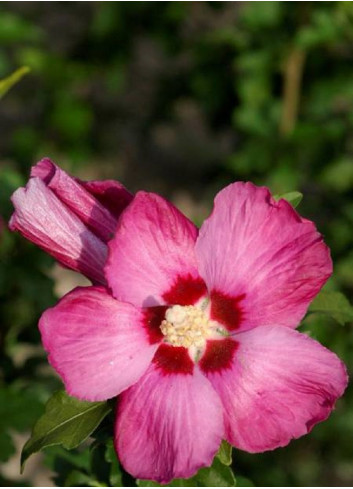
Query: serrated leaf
x,y
218,475
67,421
225,453
333,304
294,198
11,80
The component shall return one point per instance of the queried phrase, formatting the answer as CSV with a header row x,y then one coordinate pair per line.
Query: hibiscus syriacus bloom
x,y
196,333
70,219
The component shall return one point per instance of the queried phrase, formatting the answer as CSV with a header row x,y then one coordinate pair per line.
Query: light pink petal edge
x,y
77,198
43,219
152,247
99,346
260,250
168,426
280,385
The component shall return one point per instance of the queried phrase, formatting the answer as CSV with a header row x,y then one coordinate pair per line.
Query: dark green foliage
x,y
18,411
179,98
218,475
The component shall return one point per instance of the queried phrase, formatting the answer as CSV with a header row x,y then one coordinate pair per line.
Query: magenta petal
x,y
168,426
40,217
280,384
80,198
151,250
99,346
261,258
111,194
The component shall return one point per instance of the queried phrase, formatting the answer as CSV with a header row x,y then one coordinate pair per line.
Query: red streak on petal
x,y
226,310
173,360
186,291
153,316
218,355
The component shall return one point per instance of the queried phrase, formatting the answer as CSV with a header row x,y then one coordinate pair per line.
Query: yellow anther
x,y
187,326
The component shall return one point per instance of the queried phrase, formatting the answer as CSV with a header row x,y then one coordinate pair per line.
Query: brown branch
x,y
292,77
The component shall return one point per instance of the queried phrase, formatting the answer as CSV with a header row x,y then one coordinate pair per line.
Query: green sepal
x,y
218,475
225,453
294,198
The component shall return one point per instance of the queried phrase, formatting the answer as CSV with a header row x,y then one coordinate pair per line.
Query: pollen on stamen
x,y
187,326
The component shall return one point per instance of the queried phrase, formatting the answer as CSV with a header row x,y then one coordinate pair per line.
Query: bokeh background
x,y
180,98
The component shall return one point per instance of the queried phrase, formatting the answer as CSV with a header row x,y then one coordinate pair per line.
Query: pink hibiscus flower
x,y
70,219
196,333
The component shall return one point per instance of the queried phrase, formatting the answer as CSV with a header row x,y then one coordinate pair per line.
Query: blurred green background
x,y
181,98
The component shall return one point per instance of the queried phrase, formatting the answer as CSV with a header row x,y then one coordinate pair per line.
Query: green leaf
x,y
115,477
11,80
174,483
244,482
294,198
76,478
334,304
66,421
62,462
218,475
225,453
99,467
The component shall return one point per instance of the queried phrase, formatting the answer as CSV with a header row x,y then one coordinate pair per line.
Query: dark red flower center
x,y
186,290
152,320
226,309
173,360
191,331
218,355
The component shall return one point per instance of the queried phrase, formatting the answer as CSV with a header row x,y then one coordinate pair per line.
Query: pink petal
x,y
168,426
80,197
279,385
111,194
261,261
40,217
151,259
98,345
